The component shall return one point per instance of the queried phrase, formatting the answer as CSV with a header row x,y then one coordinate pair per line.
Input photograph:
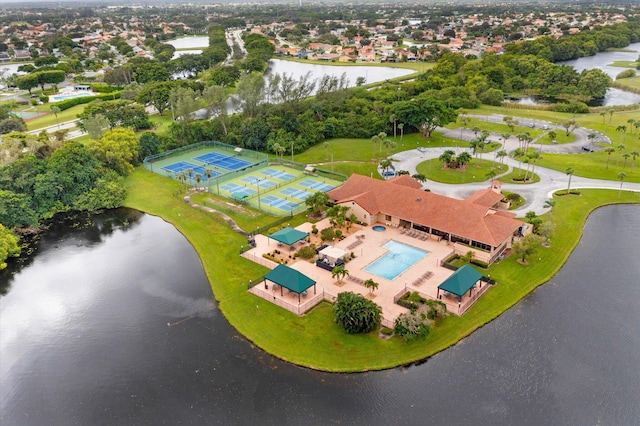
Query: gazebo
x,y
289,236
462,281
291,279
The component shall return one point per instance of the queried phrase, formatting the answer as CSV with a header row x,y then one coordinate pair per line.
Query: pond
x,y
112,321
370,74
189,42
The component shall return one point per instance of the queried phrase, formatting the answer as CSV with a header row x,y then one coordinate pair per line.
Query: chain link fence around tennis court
x,y
275,204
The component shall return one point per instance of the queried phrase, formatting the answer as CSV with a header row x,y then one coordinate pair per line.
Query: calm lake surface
x,y
370,74
116,324
189,42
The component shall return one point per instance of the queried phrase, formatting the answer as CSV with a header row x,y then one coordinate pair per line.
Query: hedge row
x,y
68,103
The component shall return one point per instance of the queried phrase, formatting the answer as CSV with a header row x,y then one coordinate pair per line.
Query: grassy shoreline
x,y
313,340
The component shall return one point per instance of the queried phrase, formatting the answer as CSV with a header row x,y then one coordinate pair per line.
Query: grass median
x,y
314,340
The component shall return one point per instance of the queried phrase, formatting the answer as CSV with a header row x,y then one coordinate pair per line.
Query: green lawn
x,y
416,66
314,340
50,119
476,171
631,82
624,64
498,128
517,175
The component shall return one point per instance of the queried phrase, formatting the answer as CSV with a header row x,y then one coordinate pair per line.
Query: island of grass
x,y
314,340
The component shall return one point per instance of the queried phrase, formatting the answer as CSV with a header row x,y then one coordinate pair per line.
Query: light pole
x,y
258,185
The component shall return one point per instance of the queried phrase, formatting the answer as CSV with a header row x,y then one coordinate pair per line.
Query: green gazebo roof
x,y
289,278
289,235
461,281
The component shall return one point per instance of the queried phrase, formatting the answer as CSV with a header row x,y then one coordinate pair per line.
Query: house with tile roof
x,y
476,224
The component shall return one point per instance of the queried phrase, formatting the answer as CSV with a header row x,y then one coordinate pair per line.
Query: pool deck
x,y
368,249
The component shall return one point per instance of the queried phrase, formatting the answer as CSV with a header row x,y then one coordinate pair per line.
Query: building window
x,y
387,217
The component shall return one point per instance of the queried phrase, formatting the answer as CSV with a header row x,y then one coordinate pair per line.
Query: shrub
x,y
626,74
386,331
411,326
327,234
356,314
68,103
44,99
306,252
573,107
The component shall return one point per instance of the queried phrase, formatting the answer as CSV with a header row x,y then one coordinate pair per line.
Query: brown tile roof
x,y
401,198
485,197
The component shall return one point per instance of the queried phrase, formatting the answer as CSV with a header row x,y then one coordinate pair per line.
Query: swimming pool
x,y
399,258
58,98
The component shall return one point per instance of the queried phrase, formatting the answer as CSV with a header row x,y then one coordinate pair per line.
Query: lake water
x,y
603,59
189,42
370,74
115,324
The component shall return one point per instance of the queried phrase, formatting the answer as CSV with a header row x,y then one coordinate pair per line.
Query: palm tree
x,y
603,114
182,178
501,154
463,159
609,150
419,177
474,144
518,153
626,156
382,136
385,165
393,119
620,149
631,122
552,135
634,154
534,156
371,285
198,179
475,130
492,173
401,128
340,273
549,204
504,136
447,157
326,150
375,139
56,110
388,143
190,173
621,176
611,111
623,132
569,172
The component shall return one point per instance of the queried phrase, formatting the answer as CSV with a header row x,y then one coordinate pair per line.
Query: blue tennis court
x,y
223,161
316,186
277,174
296,193
278,203
259,182
183,166
234,188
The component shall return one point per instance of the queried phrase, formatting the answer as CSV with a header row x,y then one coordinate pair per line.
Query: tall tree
x,y
569,172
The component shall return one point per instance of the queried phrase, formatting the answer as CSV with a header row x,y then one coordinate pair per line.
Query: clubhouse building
x,y
478,223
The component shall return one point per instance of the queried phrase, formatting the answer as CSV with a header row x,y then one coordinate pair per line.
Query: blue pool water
x,y
58,98
399,258
379,228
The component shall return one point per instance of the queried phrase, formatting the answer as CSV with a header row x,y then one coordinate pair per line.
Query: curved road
x,y
535,194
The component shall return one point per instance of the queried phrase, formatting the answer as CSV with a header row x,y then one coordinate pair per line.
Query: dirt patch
x,y
231,206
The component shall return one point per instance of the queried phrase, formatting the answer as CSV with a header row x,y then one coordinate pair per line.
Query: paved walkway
x,y
535,194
